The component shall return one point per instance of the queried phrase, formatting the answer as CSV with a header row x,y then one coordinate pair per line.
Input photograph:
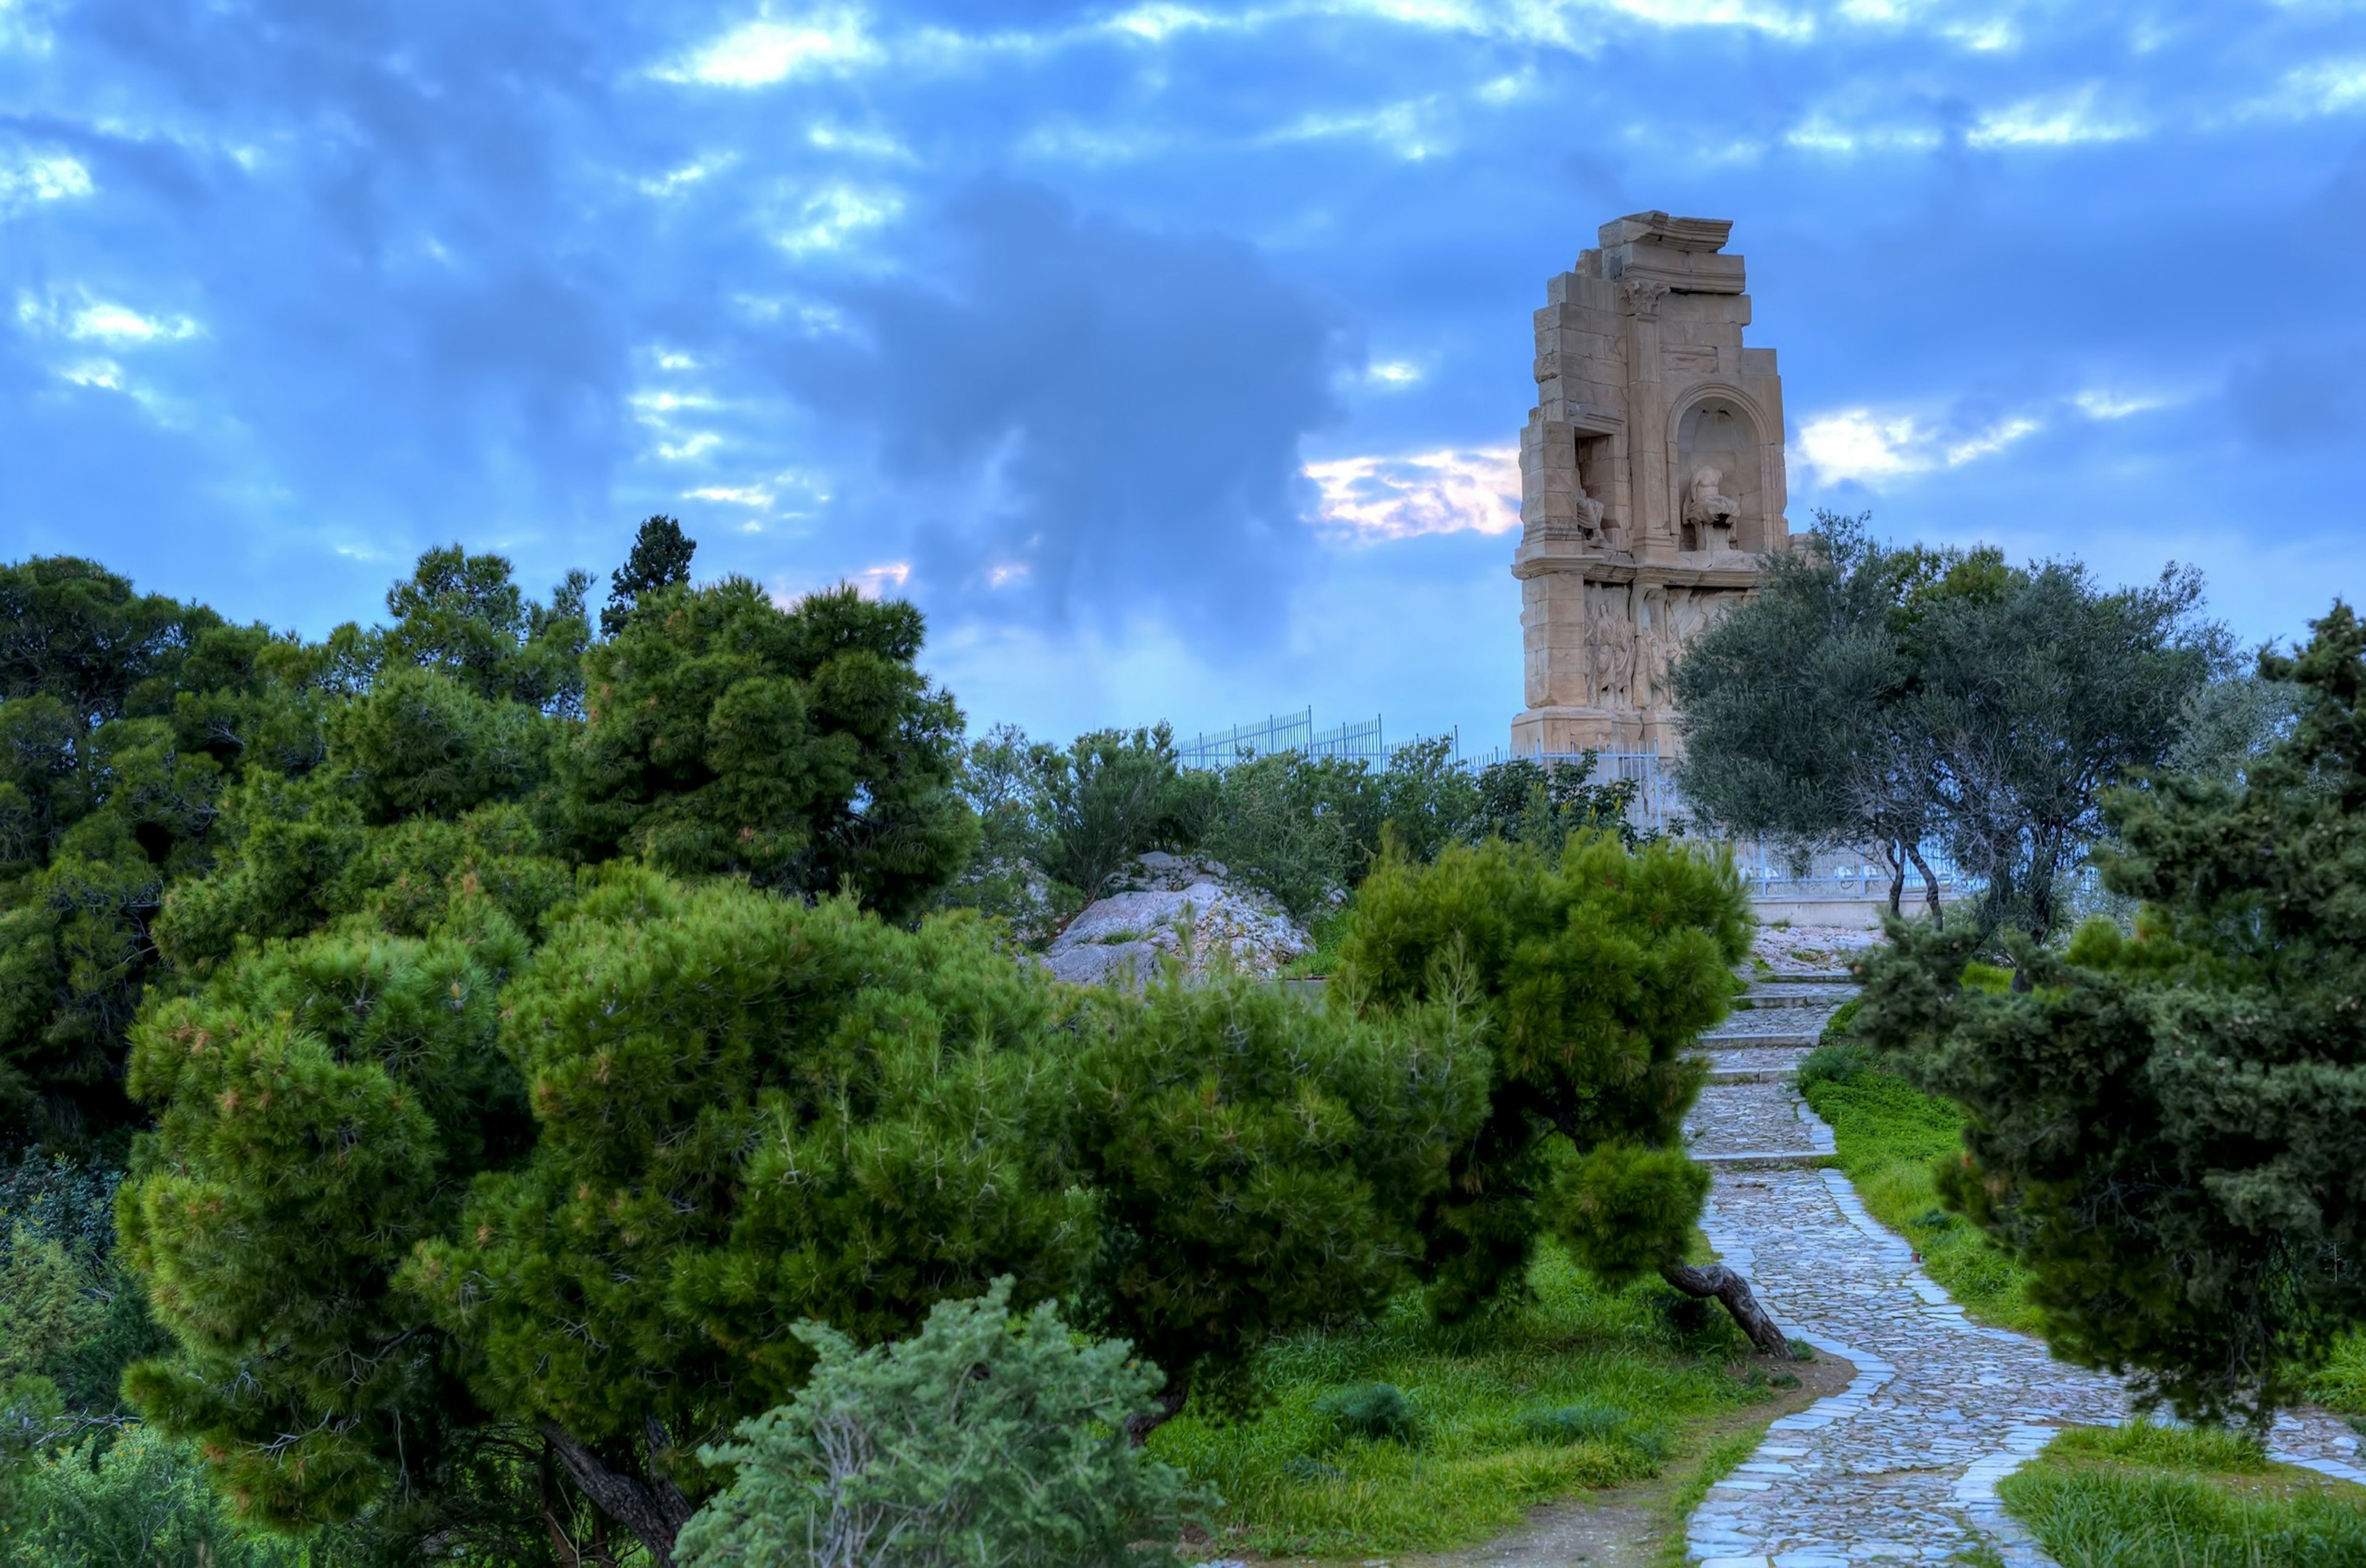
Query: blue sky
x,y
1168,353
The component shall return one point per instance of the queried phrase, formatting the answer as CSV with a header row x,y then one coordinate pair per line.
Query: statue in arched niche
x,y
1710,516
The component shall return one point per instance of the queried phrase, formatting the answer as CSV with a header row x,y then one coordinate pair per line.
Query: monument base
x,y
1563,731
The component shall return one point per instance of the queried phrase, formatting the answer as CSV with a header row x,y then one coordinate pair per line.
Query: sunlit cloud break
x,y
759,53
42,178
1427,492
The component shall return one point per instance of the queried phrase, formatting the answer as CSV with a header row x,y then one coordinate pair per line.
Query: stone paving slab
x,y
1753,1118
1903,1465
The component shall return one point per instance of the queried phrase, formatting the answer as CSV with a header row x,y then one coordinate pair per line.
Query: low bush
x,y
1838,1063
983,1441
1377,1412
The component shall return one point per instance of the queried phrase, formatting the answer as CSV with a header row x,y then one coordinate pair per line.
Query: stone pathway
x,y
1903,1466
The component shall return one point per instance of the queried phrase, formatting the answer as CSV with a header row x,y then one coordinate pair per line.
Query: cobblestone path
x,y
1903,1466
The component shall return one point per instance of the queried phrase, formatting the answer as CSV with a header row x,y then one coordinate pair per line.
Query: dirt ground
x,y
1622,1528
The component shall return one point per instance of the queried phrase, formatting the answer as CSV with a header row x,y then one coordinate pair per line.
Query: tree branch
x,y
1731,1288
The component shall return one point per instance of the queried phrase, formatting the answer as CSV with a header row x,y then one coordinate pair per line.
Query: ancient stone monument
x,y
1651,479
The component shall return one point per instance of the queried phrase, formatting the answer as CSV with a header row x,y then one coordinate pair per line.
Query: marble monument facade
x,y
1651,479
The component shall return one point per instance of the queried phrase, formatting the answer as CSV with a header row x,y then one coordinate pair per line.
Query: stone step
x,y
1800,977
1775,1064
1766,997
1763,1039
1763,1159
1772,1074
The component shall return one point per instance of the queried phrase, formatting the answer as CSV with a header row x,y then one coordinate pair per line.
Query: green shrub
x,y
1260,1164
1300,828
1573,1423
980,1442
1836,1028
136,1497
1594,971
1376,1412
1839,1063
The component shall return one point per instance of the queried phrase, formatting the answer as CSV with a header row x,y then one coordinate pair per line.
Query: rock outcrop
x,y
1177,907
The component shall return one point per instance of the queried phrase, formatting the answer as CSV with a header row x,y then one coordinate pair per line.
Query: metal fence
x,y
1357,740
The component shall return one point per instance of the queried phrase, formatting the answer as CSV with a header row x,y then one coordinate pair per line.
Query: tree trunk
x,y
654,1513
561,1548
1930,883
1169,1405
1731,1288
1897,863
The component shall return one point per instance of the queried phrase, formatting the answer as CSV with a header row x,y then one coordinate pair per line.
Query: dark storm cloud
x,y
1084,421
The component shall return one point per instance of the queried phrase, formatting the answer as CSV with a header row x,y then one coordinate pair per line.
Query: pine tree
x,y
2168,1126
800,749
1591,975
659,560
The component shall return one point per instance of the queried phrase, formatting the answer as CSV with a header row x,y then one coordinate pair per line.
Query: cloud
x,y
1874,449
1427,492
762,52
121,325
2327,86
34,178
829,218
1075,422
2062,120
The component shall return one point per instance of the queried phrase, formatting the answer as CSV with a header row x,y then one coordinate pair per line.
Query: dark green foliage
x,y
122,719
1260,1164
750,1112
1800,719
1883,699
1305,828
659,560
420,743
461,616
1110,796
2167,1128
1000,778
1547,803
983,1441
1590,976
1376,1412
798,749
1428,800
1837,1061
320,1107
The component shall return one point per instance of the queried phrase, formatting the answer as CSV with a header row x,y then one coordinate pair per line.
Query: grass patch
x,y
2147,1496
1578,1387
2341,1383
1328,929
1890,1137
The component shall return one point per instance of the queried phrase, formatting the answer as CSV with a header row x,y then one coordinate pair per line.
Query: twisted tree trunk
x,y
654,1510
1731,1288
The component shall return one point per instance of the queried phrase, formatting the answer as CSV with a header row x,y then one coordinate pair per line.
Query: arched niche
x,y
1717,428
